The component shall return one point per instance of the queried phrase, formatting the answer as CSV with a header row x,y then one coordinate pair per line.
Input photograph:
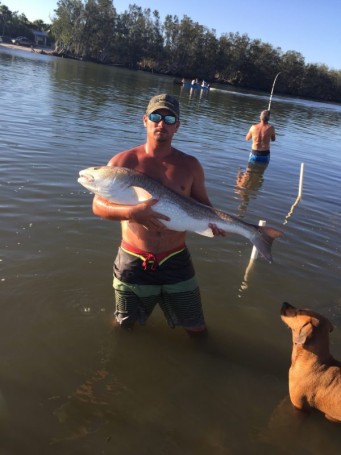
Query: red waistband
x,y
147,256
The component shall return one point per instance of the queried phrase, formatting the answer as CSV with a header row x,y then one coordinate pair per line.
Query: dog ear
x,y
304,333
315,322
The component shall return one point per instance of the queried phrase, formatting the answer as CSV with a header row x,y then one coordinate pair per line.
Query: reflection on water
x,y
299,195
248,183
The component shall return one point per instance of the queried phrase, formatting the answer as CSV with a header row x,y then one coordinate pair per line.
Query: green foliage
x,y
92,29
14,24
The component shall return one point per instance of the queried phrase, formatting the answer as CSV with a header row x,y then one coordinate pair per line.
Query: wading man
x,y
153,265
261,134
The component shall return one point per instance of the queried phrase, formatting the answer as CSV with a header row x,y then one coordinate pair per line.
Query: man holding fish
x,y
158,193
153,264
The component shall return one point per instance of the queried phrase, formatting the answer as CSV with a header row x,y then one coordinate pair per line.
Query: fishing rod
x,y
272,91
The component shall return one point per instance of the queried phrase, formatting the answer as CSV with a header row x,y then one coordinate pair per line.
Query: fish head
x,y
96,179
112,183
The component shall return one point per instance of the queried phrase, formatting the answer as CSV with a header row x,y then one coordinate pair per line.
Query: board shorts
x,y
142,280
260,156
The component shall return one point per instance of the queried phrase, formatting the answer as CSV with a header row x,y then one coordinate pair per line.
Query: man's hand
x,y
142,213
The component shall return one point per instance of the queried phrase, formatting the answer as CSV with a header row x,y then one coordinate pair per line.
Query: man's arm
x,y
105,209
141,213
273,134
249,134
199,193
198,189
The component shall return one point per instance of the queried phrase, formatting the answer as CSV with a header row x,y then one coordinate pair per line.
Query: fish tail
x,y
263,239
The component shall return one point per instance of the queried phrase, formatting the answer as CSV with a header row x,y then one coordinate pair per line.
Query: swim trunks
x,y
140,283
260,155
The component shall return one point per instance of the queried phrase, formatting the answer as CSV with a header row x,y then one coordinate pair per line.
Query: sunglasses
x,y
168,119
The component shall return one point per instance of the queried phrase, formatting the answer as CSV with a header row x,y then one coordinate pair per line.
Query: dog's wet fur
x,y
314,375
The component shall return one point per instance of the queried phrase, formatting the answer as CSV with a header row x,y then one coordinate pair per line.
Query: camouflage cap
x,y
164,101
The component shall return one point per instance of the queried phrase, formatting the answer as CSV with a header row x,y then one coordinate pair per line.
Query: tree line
x,y
13,24
138,39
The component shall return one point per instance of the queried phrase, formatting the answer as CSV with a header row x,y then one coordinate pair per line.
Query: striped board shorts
x,y
142,280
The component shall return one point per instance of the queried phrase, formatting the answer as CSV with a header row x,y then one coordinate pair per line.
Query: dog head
x,y
303,323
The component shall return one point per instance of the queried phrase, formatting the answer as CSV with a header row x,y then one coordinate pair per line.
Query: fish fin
x,y
206,232
263,239
141,193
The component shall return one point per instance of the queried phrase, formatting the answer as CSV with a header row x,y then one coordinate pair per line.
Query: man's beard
x,y
161,137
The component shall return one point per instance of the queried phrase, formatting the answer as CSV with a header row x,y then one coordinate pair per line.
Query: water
x,y
69,383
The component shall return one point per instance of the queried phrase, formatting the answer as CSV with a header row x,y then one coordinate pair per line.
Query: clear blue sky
x,y
311,27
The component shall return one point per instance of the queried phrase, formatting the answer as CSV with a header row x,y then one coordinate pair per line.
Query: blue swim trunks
x,y
260,156
142,280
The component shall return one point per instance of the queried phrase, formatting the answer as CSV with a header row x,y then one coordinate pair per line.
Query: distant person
x,y
261,135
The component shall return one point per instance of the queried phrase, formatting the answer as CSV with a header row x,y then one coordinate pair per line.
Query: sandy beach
x,y
37,49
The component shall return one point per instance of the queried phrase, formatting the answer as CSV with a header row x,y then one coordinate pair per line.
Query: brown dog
x,y
314,375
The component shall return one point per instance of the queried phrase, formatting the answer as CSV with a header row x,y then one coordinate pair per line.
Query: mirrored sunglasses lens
x,y
169,119
155,118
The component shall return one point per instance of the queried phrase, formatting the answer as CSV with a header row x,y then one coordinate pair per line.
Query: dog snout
x,y
286,307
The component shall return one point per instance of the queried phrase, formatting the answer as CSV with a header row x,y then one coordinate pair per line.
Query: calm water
x,y
69,384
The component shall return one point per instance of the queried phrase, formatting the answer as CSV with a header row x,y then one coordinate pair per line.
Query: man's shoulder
x,y
126,157
270,127
188,162
185,156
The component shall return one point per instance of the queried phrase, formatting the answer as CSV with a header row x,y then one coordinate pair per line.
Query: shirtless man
x,y
261,135
153,265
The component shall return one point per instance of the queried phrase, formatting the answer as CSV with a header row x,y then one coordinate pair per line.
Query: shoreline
x,y
218,84
35,49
